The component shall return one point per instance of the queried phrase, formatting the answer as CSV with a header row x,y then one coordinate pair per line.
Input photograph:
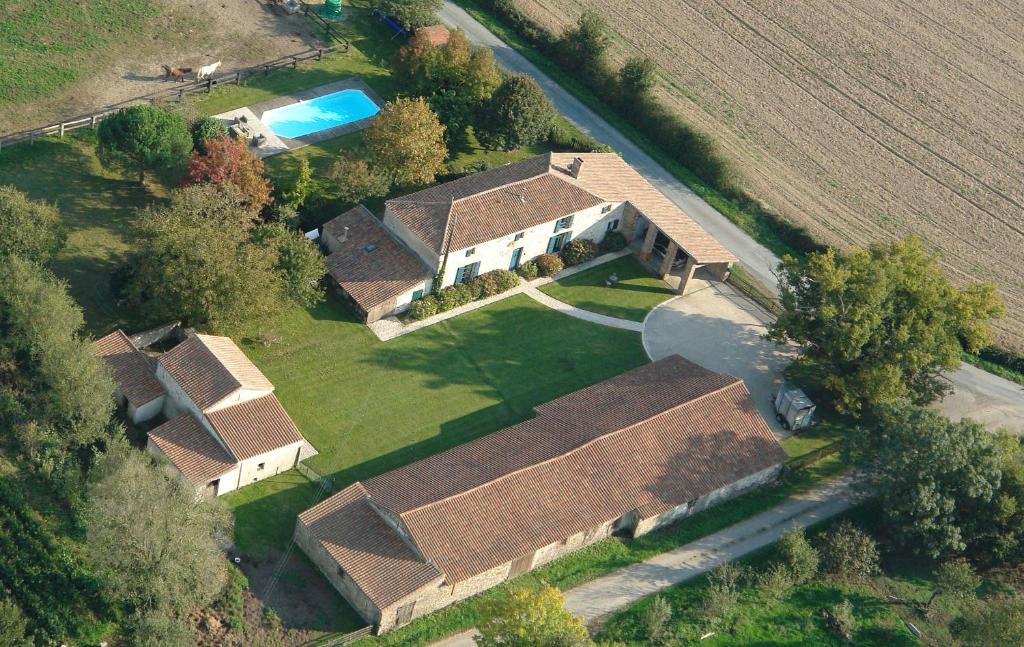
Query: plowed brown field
x,y
861,120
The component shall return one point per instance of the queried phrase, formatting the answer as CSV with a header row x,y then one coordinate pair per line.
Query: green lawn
x,y
636,293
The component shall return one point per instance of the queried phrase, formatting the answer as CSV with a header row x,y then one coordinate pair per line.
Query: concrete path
x,y
579,313
980,395
622,588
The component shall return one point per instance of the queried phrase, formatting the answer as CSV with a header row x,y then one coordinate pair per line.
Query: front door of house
x,y
517,254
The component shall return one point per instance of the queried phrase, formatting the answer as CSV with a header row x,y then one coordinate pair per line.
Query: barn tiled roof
x,y
191,449
210,368
371,277
132,370
551,192
375,556
648,440
433,34
254,427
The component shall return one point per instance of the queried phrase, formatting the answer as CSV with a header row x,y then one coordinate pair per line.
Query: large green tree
x,y
517,114
151,541
412,14
528,618
144,138
406,141
29,228
201,259
880,325
585,46
456,66
13,624
354,179
932,475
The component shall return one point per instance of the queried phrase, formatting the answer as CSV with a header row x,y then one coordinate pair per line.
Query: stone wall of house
x,y
146,411
411,240
713,498
274,462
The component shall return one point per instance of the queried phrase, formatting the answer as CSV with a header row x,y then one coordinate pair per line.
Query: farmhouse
x,y
503,217
623,456
223,427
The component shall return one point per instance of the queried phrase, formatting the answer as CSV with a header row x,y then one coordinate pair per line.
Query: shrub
x,y
560,139
425,307
207,129
506,279
485,285
775,582
848,551
844,620
579,251
799,555
657,613
549,264
454,296
529,270
613,241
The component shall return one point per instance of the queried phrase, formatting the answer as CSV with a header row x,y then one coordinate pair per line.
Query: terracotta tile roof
x,y
254,427
132,370
647,440
371,278
369,550
210,368
609,176
551,193
433,34
191,449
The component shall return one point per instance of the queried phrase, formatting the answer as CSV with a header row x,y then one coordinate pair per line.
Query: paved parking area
x,y
720,329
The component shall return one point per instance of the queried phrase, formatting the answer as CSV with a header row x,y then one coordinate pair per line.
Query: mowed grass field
x,y
862,120
370,406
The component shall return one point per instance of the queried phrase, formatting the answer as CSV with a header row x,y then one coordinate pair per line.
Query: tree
x,y
59,395
207,129
13,624
526,618
412,14
848,551
227,161
880,325
931,475
517,114
457,66
955,578
144,138
297,259
799,556
407,141
199,260
152,542
997,622
585,47
302,187
997,528
356,180
637,78
29,228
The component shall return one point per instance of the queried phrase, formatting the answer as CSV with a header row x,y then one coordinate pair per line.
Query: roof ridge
x,y
501,186
576,449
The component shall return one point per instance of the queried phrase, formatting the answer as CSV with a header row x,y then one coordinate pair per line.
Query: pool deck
x,y
274,144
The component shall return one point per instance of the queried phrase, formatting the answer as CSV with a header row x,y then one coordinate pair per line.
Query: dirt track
x,y
187,33
861,120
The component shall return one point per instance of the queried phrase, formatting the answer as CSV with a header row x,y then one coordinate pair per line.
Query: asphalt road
x,y
978,394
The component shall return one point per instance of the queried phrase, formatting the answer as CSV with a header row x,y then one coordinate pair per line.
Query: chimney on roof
x,y
575,166
344,235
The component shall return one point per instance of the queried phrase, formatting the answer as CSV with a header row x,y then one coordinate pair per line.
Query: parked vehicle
x,y
793,409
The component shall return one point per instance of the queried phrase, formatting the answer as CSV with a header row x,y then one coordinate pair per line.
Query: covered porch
x,y
668,258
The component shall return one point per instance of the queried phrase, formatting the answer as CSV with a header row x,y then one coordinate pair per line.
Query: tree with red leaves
x,y
227,161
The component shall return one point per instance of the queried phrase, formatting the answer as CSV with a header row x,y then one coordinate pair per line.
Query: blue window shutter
x,y
568,221
558,225
551,243
475,270
458,275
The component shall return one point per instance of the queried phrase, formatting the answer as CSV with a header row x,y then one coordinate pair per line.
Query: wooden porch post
x,y
648,245
670,255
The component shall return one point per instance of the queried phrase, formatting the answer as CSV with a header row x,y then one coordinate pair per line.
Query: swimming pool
x,y
321,113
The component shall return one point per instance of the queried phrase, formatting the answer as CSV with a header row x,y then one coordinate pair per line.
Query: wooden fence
x,y
337,640
175,93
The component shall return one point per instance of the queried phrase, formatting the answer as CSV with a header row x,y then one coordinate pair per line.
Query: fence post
x,y
266,70
320,53
209,85
238,78
92,121
62,129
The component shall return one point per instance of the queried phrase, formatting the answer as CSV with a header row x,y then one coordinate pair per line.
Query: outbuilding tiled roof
x,y
376,557
370,265
191,449
550,192
210,368
254,427
646,441
132,370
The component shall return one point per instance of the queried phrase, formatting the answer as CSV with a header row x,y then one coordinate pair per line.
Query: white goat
x,y
207,70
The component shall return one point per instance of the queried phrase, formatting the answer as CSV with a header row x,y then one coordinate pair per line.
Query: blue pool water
x,y
314,115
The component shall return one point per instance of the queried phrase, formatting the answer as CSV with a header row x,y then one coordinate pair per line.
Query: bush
x,y
549,264
506,279
723,591
425,307
529,270
657,613
483,286
613,241
847,551
454,296
579,251
775,582
206,129
560,139
845,622
799,555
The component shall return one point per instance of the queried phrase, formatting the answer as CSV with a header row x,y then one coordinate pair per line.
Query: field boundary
x,y
176,93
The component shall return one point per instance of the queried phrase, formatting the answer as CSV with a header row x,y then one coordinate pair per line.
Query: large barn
x,y
623,456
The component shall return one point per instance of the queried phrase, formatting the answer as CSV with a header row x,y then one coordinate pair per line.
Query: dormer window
x,y
519,236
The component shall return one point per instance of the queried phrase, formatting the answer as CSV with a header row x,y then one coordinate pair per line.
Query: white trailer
x,y
793,409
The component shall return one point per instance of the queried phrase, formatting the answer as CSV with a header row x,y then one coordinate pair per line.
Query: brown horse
x,y
178,74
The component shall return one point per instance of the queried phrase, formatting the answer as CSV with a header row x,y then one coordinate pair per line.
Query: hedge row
x,y
453,296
